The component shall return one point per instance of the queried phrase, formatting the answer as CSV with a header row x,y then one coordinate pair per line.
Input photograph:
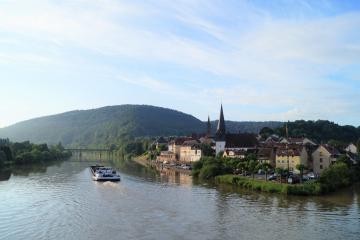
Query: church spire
x,y
220,131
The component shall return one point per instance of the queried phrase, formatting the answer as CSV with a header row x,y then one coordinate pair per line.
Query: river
x,y
61,201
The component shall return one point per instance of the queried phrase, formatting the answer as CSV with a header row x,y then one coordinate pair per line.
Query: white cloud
x,y
286,62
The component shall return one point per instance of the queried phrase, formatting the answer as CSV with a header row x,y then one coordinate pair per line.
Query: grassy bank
x,y
307,189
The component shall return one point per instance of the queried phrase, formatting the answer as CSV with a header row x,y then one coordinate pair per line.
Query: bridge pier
x,y
99,154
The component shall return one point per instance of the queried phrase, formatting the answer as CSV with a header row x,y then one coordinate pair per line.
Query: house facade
x,y
241,154
166,157
190,153
323,157
289,158
266,155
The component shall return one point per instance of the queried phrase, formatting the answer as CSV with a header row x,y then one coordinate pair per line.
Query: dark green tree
x,y
2,158
301,168
207,150
280,173
266,167
266,132
252,166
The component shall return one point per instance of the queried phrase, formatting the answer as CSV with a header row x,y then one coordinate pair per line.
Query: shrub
x,y
209,171
335,177
271,187
2,158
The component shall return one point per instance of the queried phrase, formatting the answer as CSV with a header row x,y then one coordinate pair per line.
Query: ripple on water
x,y
64,203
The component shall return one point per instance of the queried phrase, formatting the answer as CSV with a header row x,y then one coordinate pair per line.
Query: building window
x,y
321,167
321,160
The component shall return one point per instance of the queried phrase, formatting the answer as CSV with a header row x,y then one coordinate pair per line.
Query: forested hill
x,y
321,131
103,126
110,125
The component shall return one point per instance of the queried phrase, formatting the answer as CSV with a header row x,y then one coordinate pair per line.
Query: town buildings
x,y
280,152
323,157
288,157
181,150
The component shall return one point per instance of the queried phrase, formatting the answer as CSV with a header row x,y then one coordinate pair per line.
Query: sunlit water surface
x,y
62,202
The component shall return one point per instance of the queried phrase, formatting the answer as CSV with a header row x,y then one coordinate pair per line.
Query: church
x,y
225,141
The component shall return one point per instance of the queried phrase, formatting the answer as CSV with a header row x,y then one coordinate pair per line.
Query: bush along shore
x,y
28,153
221,170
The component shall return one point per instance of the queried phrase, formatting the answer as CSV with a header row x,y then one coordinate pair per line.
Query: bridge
x,y
98,153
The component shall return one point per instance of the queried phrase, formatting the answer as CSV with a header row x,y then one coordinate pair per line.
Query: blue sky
x,y
265,60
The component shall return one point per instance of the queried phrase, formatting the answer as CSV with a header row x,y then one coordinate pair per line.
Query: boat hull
x,y
93,169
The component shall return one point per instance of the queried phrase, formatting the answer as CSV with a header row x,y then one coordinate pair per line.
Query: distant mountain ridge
x,y
111,124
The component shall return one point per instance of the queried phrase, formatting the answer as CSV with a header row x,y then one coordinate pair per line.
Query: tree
x,y
241,166
280,172
266,167
206,150
358,146
2,158
266,132
337,144
344,159
336,176
252,167
301,168
8,152
220,154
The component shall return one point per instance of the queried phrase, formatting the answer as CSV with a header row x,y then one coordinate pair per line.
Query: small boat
x,y
101,173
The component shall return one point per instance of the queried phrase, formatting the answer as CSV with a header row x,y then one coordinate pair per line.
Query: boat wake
x,y
110,184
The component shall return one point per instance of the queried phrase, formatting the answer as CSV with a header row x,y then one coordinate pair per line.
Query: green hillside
x,y
248,126
321,131
103,126
110,125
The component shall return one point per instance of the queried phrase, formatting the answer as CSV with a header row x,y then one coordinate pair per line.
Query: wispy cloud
x,y
264,57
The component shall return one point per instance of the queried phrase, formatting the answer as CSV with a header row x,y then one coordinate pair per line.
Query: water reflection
x,y
60,201
5,175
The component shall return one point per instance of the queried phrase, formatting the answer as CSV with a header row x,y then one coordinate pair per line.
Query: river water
x,y
62,202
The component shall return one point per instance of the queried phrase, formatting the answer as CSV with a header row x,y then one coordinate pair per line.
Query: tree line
x,y
27,152
322,131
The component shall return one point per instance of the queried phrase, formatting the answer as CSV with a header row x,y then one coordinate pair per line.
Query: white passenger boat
x,y
101,173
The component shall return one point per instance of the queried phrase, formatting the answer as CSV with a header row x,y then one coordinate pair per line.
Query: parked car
x,y
305,178
293,179
186,167
311,175
272,177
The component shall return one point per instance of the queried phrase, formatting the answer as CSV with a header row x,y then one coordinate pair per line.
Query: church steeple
x,y
221,131
208,126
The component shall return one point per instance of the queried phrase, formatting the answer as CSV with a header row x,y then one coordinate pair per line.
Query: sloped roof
x,y
264,152
291,150
240,140
331,150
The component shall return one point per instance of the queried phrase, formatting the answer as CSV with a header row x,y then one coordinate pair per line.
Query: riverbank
x,y
144,161
306,189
